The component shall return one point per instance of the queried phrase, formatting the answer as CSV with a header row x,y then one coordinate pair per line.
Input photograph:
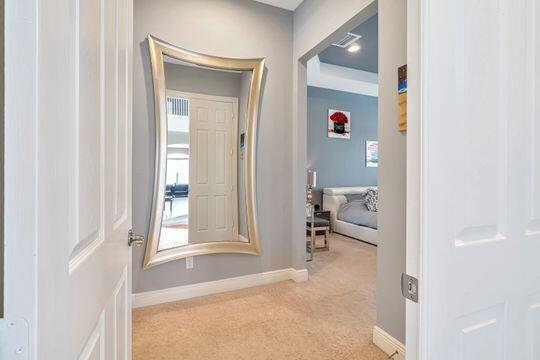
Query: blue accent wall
x,y
340,162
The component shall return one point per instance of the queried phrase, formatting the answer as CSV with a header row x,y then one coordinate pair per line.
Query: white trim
x,y
341,78
388,344
299,275
21,115
413,207
214,287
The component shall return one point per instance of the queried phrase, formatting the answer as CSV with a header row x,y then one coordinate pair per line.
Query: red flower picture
x,y
339,124
339,117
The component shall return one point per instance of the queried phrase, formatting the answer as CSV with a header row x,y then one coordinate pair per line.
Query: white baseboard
x,y
298,275
213,287
388,344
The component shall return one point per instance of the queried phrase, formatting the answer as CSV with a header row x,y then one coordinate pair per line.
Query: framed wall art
x,y
372,153
402,98
339,124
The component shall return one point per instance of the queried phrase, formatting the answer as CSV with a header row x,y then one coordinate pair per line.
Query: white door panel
x,y
212,183
82,177
480,125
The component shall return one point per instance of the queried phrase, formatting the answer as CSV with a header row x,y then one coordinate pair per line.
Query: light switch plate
x,y
189,262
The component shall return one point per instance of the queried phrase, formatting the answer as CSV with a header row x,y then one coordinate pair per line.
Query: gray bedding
x,y
356,212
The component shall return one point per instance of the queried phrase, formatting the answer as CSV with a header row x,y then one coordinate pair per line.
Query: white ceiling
x,y
284,4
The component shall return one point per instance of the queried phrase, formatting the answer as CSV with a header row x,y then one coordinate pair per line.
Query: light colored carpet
x,y
330,316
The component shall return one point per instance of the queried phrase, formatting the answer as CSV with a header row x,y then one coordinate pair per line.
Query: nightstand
x,y
324,214
316,225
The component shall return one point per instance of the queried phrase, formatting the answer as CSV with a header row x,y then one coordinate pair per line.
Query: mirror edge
x,y
157,49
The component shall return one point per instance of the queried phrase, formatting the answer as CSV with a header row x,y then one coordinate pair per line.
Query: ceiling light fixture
x,y
353,48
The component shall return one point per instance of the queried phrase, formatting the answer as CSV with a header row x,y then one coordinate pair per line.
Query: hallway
x,y
330,316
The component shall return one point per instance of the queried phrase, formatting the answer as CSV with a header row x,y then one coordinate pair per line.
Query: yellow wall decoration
x,y
402,98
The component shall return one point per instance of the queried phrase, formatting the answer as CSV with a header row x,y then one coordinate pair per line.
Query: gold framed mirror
x,y
204,198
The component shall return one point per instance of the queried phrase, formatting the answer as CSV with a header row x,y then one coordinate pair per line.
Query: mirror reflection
x,y
205,181
206,111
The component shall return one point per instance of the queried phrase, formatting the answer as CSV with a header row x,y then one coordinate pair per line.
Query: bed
x,y
334,199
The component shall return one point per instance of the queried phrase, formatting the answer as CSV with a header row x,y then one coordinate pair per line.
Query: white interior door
x,y
212,182
480,267
75,163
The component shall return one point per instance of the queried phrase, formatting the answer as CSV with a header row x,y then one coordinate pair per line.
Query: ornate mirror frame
x,y
158,49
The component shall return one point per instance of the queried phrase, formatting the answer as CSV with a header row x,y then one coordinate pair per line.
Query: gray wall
x,y
340,162
230,28
223,31
391,254
201,81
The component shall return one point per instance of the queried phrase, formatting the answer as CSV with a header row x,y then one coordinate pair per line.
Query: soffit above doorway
x,y
284,4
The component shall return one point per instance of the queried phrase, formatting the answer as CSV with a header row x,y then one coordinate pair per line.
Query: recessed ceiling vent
x,y
347,40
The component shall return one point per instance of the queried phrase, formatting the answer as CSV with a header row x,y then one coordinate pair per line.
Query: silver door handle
x,y
138,240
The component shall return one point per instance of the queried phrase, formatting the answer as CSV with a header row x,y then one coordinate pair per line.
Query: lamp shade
x,y
312,178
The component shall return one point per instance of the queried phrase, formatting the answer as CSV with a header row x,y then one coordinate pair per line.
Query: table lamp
x,y
311,183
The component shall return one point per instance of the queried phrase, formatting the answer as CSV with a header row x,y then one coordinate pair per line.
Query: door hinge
x,y
14,339
409,287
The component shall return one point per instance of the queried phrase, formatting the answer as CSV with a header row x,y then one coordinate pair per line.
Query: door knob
x,y
138,240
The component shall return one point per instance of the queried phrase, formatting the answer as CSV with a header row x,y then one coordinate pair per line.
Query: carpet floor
x,y
330,316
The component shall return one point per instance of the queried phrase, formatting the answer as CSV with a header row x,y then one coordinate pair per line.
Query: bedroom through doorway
x,y
342,176
355,83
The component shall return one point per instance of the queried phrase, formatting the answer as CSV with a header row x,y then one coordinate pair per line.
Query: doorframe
x,y
414,175
21,162
415,167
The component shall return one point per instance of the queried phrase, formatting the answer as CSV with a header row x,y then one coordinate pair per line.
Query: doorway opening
x,y
342,179
341,151
175,223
